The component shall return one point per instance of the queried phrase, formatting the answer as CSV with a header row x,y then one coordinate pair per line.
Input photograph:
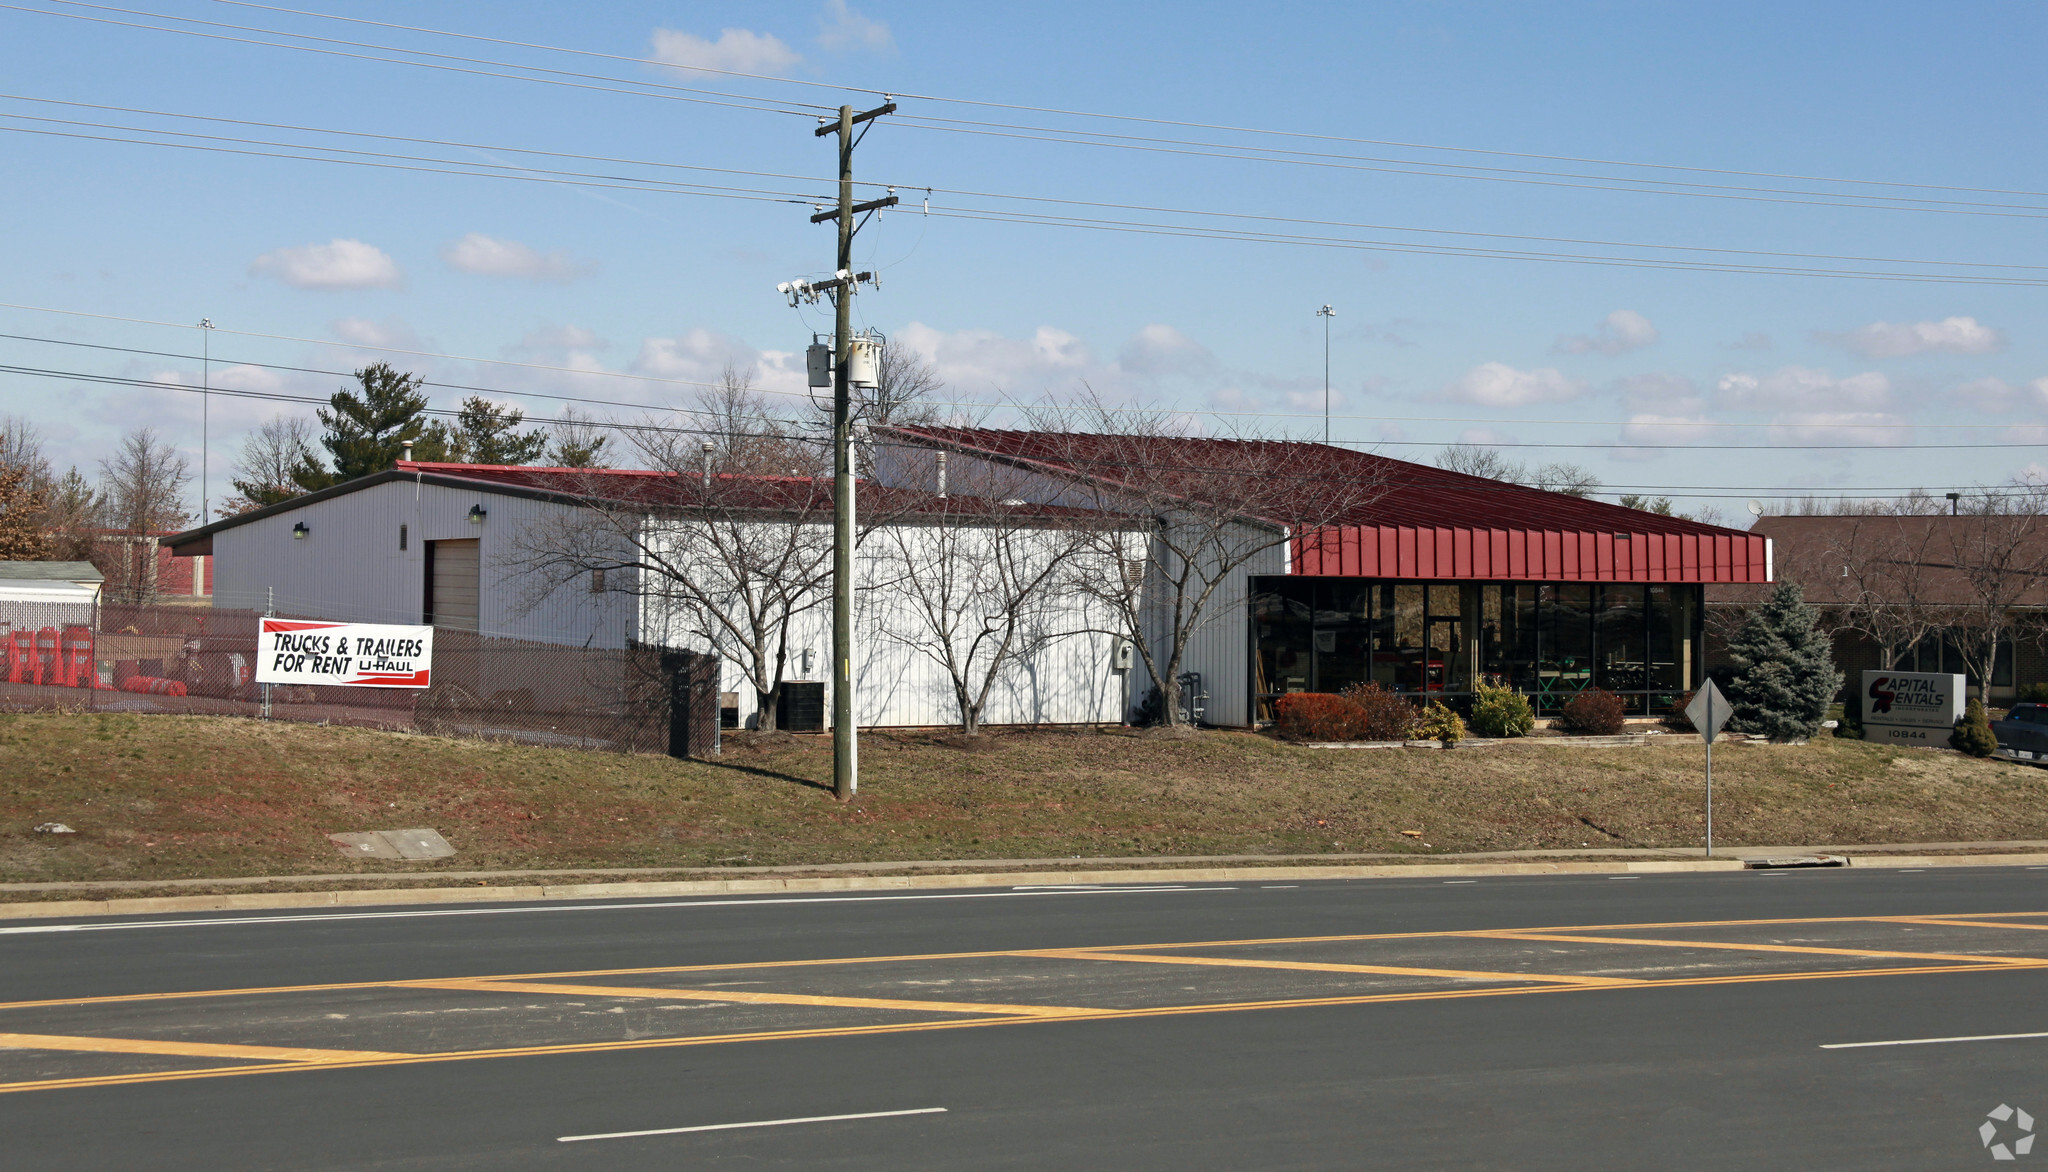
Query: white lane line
x,y
1911,871
34,929
571,1139
1455,882
1624,876
1280,887
1930,1041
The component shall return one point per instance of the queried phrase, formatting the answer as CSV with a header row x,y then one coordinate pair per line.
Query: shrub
x,y
2032,694
1972,733
1675,718
1851,725
1439,723
1594,712
1387,716
1500,711
1319,716
1785,674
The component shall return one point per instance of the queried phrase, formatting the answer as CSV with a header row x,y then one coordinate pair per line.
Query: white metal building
x,y
451,545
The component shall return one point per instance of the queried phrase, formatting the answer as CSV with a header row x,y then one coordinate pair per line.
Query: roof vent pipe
x,y
707,466
942,476
405,451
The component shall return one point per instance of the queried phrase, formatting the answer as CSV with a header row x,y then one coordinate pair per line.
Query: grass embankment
x,y
160,797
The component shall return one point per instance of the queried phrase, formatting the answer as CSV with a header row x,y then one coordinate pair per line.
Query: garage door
x,y
452,583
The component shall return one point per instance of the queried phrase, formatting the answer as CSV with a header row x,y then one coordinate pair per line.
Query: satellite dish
x,y
1756,508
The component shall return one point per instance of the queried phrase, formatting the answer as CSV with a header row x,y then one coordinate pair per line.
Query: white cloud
x,y
337,264
488,256
1872,429
1951,335
1752,340
736,50
1648,428
1484,437
391,333
1621,331
1660,392
1496,384
976,360
842,29
566,337
1159,349
1794,388
1992,394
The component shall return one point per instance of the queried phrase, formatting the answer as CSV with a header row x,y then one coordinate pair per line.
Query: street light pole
x,y
1326,313
205,407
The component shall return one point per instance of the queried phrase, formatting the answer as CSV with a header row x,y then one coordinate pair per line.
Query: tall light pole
x,y
205,406
1326,313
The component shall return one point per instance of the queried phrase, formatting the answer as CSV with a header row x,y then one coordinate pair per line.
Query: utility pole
x,y
1326,313
845,740
205,406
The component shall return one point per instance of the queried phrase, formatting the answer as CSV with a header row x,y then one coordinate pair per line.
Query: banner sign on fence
x,y
1911,707
362,655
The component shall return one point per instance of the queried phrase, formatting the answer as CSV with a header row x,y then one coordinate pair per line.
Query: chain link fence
x,y
169,658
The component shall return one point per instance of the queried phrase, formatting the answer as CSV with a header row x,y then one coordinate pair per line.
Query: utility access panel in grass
x,y
801,707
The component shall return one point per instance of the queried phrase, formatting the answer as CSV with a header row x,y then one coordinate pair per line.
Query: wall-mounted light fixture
x,y
476,514
299,531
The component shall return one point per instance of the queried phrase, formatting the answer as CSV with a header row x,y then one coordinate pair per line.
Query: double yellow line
x,y
279,1060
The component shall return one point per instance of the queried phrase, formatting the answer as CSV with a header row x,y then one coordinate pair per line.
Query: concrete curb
x,y
273,901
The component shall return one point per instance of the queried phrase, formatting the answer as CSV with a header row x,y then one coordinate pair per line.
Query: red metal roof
x,y
1414,521
799,494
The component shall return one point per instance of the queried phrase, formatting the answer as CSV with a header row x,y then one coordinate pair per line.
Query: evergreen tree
x,y
486,433
1973,733
366,432
1785,674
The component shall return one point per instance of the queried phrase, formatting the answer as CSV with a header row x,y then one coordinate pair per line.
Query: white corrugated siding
x,y
1066,680
349,566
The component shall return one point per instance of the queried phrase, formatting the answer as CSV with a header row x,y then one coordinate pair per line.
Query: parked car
x,y
2023,734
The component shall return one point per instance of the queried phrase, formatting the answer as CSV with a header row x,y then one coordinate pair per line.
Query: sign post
x,y
1708,712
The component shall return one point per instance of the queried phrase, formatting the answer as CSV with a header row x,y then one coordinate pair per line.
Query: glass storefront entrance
x,y
1547,640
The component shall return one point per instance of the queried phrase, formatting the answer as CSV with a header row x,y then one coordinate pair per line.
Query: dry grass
x,y
159,797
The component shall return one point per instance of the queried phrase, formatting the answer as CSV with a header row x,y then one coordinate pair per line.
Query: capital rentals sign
x,y
362,655
1911,707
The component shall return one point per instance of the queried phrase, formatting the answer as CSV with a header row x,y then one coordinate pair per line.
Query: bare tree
x,y
1477,460
903,392
268,469
1219,510
577,441
2000,556
979,576
142,486
1886,574
721,559
745,437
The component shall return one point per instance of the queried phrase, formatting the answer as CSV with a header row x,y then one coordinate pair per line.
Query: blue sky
x,y
1427,349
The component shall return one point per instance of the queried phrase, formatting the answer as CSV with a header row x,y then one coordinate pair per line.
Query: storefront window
x,y
1550,641
1623,665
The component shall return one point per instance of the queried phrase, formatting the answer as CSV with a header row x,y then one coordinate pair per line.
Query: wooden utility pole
x,y
845,741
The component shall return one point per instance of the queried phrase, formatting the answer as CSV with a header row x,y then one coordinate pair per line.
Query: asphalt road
x,y
1514,1022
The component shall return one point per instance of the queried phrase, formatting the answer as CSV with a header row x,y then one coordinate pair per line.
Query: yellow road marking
x,y
272,990
975,1023
190,1049
752,998
1320,967
1961,923
1736,946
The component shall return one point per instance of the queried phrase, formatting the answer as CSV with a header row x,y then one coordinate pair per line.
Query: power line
x,y
962,403
491,170
1180,123
1010,130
